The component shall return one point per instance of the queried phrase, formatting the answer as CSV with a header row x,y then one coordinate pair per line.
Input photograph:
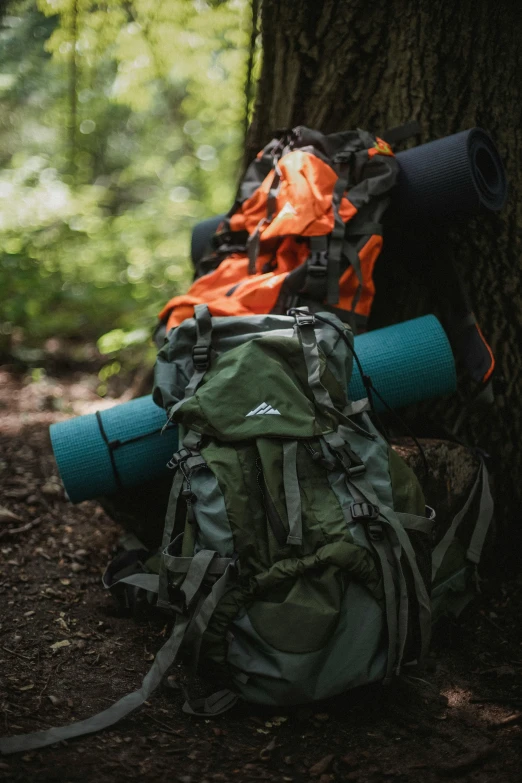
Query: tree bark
x,y
341,64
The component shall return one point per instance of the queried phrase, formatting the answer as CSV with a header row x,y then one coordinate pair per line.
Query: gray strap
x,y
292,493
196,574
313,364
204,336
444,544
391,608
216,704
389,591
170,519
201,619
414,522
148,582
313,368
423,598
192,441
162,662
356,407
485,516
181,565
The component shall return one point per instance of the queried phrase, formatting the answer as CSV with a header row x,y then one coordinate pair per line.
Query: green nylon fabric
x,y
267,370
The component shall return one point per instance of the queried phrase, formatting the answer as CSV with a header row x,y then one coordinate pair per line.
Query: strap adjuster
x,y
364,512
317,263
178,458
369,514
201,356
302,316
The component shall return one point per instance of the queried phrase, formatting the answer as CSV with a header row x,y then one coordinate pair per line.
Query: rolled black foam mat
x,y
460,174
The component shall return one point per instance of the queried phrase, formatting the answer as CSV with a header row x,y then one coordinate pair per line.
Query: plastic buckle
x,y
318,263
178,458
369,514
364,512
350,462
201,356
303,317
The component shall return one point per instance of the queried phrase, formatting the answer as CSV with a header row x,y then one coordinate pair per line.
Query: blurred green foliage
x,y
120,127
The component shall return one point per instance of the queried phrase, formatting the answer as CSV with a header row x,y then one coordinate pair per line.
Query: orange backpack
x,y
305,229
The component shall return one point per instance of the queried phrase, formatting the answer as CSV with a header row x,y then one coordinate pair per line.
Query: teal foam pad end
x,y
139,450
407,362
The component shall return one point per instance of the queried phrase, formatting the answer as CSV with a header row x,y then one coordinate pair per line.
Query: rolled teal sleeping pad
x,y
123,446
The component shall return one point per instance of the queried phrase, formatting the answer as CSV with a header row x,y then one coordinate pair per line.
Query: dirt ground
x,y
66,653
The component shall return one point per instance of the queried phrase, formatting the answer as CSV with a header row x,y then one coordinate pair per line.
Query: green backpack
x,y
308,534
298,554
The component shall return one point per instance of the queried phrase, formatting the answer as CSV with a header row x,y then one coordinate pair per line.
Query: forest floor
x,y
66,653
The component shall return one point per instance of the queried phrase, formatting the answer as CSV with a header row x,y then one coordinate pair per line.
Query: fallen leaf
x,y
52,488
8,516
58,645
321,766
266,752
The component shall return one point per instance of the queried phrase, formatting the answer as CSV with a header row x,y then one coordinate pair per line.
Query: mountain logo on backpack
x,y
287,211
262,409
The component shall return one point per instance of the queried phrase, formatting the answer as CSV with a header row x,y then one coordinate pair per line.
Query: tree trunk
x,y
341,64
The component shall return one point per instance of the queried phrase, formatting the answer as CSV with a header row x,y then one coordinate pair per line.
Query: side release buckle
x,y
201,356
302,316
369,514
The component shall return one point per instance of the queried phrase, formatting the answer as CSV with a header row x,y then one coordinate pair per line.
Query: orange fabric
x,y
487,376
303,208
303,202
254,293
349,283
258,293
381,148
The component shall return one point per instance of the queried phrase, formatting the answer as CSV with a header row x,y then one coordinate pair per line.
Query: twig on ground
x,y
516,717
15,530
16,654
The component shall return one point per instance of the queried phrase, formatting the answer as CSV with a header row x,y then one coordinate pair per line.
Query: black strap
x,y
112,445
401,132
335,245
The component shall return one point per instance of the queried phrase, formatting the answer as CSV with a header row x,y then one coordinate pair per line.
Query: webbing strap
x,y
162,662
335,246
149,582
164,659
423,599
201,618
196,574
313,364
202,347
401,132
389,593
485,515
305,325
170,519
292,493
181,565
111,446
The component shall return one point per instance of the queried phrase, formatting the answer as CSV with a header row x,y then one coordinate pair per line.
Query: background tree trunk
x,y
341,64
